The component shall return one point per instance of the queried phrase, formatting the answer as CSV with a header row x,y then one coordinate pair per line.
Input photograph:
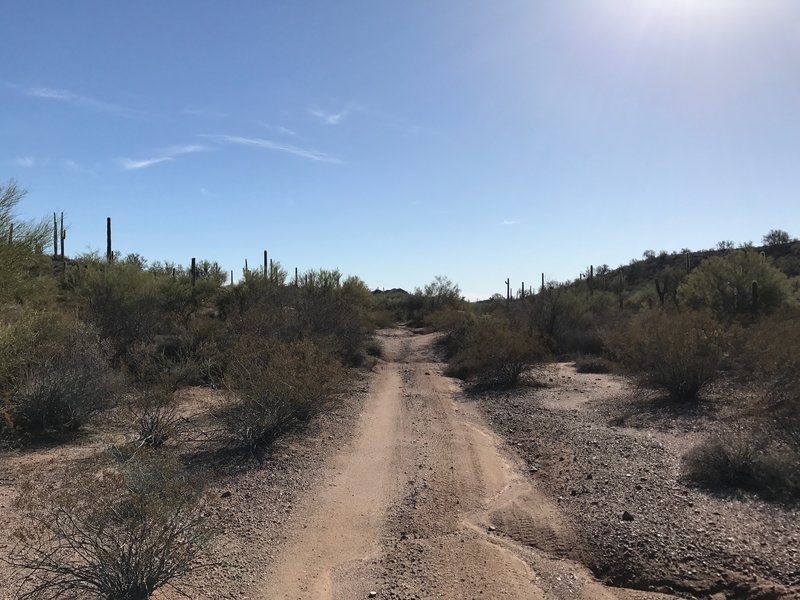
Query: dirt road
x,y
426,502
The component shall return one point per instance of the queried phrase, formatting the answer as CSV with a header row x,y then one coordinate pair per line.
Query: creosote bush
x,y
776,348
115,533
276,386
489,354
56,374
155,418
746,460
678,352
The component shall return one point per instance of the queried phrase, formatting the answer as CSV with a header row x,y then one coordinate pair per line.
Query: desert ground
x,y
416,489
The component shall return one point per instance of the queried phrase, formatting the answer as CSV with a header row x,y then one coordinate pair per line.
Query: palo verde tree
x,y
21,258
736,284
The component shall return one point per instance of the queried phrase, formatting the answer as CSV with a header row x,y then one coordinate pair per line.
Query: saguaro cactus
x,y
754,293
109,255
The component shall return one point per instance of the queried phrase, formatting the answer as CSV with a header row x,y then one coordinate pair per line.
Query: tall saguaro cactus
x,y
109,255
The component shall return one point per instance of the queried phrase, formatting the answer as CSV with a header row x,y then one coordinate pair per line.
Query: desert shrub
x,y
678,352
568,317
155,418
169,361
454,322
491,354
118,533
121,301
723,285
774,354
132,306
324,315
65,384
413,308
374,348
396,306
23,266
275,386
748,461
321,309
593,364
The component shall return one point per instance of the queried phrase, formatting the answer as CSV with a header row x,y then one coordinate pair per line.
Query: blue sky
x,y
400,140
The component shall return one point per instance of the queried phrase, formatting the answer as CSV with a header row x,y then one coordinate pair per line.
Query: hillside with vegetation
x,y
99,354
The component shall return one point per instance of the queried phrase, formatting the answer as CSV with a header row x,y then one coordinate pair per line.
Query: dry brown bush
x,y
746,460
117,533
491,354
155,418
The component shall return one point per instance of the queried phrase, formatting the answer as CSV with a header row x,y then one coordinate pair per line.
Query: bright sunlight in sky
x,y
400,140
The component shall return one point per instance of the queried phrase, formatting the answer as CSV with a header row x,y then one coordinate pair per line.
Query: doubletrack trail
x,y
427,502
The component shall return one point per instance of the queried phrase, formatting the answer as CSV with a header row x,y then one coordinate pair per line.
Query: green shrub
x,y
67,384
454,322
568,317
24,270
491,354
115,533
723,285
276,386
679,352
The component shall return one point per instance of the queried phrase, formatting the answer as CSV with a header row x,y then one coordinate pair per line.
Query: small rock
x,y
225,494
372,594
626,516
492,528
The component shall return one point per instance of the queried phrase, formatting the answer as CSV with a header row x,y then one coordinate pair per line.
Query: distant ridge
x,y
400,291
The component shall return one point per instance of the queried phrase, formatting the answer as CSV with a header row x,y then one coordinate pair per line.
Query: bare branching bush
x,y
677,352
491,354
155,418
66,384
116,533
273,387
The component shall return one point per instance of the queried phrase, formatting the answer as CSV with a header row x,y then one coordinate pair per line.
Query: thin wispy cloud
x,y
76,167
510,222
279,129
86,102
26,162
165,155
331,118
309,154
206,113
132,165
50,94
185,149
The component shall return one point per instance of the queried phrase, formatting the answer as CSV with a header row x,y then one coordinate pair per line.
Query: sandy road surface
x,y
427,503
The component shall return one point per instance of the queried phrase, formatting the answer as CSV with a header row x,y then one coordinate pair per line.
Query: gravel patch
x,y
614,468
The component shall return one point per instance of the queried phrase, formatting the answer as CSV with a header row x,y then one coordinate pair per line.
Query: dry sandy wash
x,y
414,505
